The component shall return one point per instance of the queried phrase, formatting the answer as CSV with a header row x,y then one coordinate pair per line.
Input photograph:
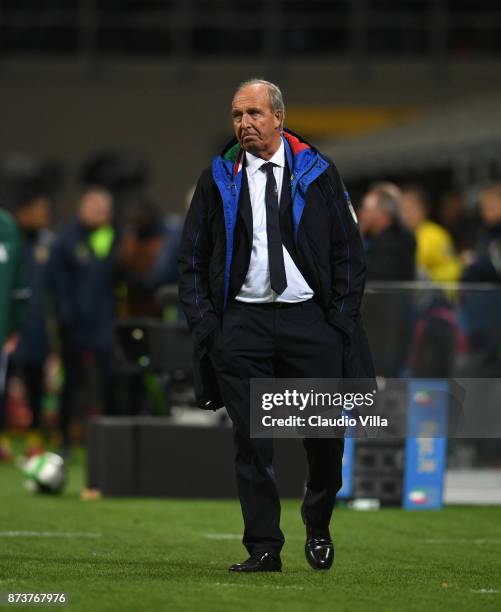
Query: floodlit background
x,y
404,89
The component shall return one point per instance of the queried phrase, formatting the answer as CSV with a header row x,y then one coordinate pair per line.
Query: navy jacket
x,y
391,255
83,287
319,229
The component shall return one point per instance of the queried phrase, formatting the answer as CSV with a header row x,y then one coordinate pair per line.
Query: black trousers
x,y
275,341
88,385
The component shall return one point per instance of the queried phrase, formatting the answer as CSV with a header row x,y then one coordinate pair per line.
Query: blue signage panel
x,y
426,444
348,468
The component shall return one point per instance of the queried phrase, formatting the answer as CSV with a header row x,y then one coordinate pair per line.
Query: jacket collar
x,y
295,149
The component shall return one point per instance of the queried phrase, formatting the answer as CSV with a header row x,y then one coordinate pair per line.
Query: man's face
x,y
35,215
256,127
490,209
412,210
95,209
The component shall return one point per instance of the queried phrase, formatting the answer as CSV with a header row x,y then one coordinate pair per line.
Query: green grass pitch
x,y
160,554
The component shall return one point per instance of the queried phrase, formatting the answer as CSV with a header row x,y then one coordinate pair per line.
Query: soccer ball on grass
x,y
44,473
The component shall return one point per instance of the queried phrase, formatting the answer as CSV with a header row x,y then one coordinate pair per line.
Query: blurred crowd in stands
x,y
64,287
404,243
445,330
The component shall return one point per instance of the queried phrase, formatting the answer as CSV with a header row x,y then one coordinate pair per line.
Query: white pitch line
x,y
259,586
48,534
223,536
485,591
461,541
234,536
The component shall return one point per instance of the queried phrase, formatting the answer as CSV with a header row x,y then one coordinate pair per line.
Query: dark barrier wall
x,y
150,456
178,115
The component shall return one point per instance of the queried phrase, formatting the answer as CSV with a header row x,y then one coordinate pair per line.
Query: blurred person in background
x,y
435,254
83,268
437,335
32,213
147,263
147,259
489,234
390,250
461,225
481,309
389,246
485,259
14,295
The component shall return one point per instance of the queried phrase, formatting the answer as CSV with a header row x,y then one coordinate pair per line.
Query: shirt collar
x,y
254,163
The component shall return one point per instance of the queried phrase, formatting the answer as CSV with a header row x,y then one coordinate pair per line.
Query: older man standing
x,y
389,245
271,278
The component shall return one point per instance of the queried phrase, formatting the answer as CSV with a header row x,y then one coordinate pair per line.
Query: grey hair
x,y
389,197
274,92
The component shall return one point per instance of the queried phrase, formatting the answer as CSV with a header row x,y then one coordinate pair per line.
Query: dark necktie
x,y
278,278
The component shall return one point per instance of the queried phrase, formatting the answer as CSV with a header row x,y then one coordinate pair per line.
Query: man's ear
x,y
278,118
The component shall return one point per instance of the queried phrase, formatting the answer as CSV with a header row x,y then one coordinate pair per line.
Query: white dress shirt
x,y
256,287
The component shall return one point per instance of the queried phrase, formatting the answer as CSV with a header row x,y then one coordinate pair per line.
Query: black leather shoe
x,y
319,551
258,562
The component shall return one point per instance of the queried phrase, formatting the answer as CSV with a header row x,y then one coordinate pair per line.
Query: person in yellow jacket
x,y
435,254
